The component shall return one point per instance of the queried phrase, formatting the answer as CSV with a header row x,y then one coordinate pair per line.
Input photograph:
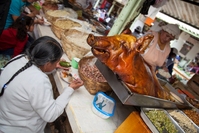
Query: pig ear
x,y
127,31
138,44
143,42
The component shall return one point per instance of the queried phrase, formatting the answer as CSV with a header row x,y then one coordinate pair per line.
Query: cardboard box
x,y
133,124
193,83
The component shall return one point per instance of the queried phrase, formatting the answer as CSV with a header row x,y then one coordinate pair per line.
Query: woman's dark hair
x,y
172,54
21,24
44,49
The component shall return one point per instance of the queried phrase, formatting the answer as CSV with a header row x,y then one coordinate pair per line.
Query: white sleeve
x,y
45,105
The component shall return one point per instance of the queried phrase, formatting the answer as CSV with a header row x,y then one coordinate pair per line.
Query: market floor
x,y
50,128
61,125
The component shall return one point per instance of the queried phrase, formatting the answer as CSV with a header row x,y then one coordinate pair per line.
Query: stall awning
x,y
184,11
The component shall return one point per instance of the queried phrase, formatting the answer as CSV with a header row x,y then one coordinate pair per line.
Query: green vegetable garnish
x,y
64,64
161,121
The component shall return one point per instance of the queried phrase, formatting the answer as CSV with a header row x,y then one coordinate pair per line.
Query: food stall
x,y
78,110
81,117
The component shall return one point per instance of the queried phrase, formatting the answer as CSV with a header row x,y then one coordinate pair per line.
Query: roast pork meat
x,y
122,54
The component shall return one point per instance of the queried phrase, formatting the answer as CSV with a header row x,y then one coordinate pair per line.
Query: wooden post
x,y
130,11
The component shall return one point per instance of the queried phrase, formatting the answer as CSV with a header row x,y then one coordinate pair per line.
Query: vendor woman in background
x,y
26,96
14,39
159,48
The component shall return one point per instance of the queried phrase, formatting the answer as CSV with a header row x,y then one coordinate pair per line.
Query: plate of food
x,y
65,76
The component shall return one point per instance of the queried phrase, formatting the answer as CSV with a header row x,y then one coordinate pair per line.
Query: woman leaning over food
x,y
26,96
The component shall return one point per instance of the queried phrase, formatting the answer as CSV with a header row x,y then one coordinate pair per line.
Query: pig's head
x,y
111,50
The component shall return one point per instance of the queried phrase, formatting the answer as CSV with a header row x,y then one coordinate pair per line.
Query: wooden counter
x,y
182,73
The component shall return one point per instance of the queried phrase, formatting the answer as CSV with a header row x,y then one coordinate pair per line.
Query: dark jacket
x,y
4,8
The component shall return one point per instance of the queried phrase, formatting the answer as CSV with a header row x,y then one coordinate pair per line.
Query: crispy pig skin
x,y
122,54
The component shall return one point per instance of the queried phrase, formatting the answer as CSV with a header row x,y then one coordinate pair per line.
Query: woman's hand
x,y
39,21
76,83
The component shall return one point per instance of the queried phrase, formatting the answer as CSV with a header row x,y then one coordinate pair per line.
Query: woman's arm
x,y
43,102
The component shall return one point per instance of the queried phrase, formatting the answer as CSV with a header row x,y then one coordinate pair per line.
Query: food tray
x,y
184,120
151,126
192,104
129,98
193,114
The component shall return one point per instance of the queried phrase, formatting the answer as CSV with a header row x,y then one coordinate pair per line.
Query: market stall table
x,y
182,73
79,108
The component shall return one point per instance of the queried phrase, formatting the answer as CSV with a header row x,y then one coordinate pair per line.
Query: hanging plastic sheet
x,y
146,6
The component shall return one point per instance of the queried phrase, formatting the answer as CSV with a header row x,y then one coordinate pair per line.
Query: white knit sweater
x,y
28,103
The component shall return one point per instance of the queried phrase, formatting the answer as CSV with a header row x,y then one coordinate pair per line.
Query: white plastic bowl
x,y
103,105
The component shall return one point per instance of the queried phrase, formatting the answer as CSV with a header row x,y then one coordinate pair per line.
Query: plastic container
x,y
37,5
74,62
103,105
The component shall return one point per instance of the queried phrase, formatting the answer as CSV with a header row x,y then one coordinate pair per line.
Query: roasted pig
x,y
122,54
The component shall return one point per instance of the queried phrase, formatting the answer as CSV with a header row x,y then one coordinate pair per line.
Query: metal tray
x,y
193,114
187,118
196,109
129,98
152,126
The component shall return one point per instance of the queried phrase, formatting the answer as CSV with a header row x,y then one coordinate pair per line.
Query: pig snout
x,y
91,39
